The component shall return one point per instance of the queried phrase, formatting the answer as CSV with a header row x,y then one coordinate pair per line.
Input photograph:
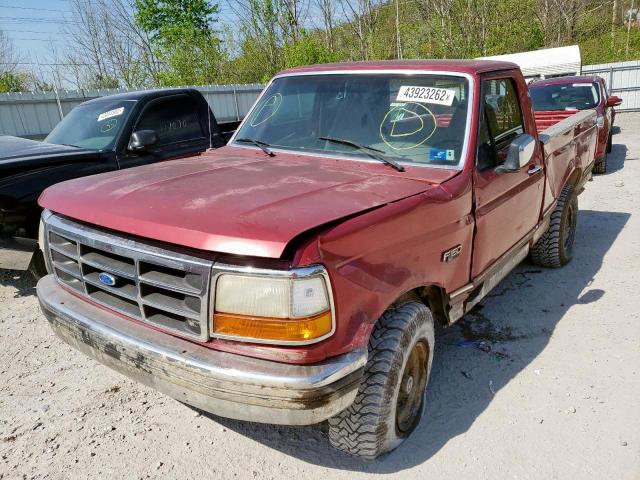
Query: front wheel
x,y
555,247
390,400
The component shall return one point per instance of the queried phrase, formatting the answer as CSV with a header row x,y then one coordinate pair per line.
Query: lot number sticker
x,y
111,113
439,96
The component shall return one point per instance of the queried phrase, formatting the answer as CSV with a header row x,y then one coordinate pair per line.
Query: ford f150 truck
x,y
558,98
100,135
296,274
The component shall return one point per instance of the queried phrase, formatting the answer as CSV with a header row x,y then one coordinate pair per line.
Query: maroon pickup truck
x,y
295,275
555,99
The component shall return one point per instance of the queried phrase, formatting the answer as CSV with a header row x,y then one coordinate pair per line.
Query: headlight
x,y
285,307
600,121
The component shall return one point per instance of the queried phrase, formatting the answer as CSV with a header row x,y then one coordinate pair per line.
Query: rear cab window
x,y
579,95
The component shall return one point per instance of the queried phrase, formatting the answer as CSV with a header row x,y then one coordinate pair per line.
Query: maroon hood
x,y
233,200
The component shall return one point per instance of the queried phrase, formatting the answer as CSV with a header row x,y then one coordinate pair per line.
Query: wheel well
x,y
574,178
433,297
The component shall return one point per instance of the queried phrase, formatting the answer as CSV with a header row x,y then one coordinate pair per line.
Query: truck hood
x,y
15,151
233,200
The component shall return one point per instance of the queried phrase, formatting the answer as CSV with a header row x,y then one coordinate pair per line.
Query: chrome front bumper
x,y
222,383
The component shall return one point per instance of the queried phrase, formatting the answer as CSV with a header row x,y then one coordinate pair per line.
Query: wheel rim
x,y
570,228
412,385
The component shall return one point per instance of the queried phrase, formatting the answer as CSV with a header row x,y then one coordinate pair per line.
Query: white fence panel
x,y
623,80
34,114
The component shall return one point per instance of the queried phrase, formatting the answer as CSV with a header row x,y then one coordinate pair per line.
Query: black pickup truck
x,y
100,135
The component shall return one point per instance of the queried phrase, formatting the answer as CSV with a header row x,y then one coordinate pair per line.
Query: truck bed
x,y
548,118
567,145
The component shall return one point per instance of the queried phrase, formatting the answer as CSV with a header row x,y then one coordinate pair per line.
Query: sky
x,y
37,29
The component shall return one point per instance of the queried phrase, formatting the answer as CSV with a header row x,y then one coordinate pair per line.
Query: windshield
x,y
419,119
92,125
564,96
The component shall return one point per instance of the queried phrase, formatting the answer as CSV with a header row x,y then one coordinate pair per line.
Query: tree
x,y
13,82
107,48
167,20
183,38
9,59
11,78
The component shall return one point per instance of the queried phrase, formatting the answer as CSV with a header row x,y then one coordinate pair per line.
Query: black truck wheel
x,y
390,400
37,266
555,248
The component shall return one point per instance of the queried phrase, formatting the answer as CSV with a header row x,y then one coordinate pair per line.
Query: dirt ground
x,y
557,396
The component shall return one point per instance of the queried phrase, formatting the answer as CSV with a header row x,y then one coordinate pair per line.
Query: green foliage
x,y
269,38
13,82
168,21
308,50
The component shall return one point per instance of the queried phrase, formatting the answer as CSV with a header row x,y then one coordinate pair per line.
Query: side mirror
x,y
142,140
613,101
519,155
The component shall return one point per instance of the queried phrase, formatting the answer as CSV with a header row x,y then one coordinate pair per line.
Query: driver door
x,y
176,121
507,204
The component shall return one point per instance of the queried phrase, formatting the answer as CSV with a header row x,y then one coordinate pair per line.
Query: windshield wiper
x,y
371,151
261,145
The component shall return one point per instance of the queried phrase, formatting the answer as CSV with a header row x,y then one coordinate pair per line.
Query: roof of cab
x,y
146,94
563,80
462,66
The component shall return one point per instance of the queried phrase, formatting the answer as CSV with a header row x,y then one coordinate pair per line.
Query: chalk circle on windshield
x,y
267,110
108,125
407,126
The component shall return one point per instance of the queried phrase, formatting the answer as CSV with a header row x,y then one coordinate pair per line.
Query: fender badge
x,y
451,254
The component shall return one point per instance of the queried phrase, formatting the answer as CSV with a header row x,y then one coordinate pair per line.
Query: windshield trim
x,y
346,156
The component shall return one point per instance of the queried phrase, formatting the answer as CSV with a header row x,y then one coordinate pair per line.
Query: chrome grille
x,y
154,285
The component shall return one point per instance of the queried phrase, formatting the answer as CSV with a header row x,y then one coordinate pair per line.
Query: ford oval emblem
x,y
107,279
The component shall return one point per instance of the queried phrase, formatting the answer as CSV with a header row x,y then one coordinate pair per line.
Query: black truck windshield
x,y
564,96
418,119
94,125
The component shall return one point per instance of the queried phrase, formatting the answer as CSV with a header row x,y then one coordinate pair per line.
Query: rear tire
x,y
555,248
390,400
600,167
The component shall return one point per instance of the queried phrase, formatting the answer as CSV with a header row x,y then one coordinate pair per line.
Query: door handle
x,y
534,169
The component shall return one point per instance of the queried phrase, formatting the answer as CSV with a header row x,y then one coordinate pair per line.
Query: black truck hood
x,y
15,151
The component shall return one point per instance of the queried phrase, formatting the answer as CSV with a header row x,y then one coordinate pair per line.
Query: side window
x,y
500,123
174,120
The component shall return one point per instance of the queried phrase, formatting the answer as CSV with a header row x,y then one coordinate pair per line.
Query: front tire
x,y
390,400
37,266
610,140
555,247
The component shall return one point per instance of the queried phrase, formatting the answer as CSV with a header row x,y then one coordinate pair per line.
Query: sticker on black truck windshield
x,y
111,113
439,96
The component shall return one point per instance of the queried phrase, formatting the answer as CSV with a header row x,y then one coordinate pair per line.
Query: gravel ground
x,y
555,397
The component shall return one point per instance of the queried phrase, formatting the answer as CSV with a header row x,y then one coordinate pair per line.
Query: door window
x,y
174,120
501,121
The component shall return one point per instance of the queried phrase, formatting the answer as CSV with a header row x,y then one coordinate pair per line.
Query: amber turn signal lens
x,y
273,329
